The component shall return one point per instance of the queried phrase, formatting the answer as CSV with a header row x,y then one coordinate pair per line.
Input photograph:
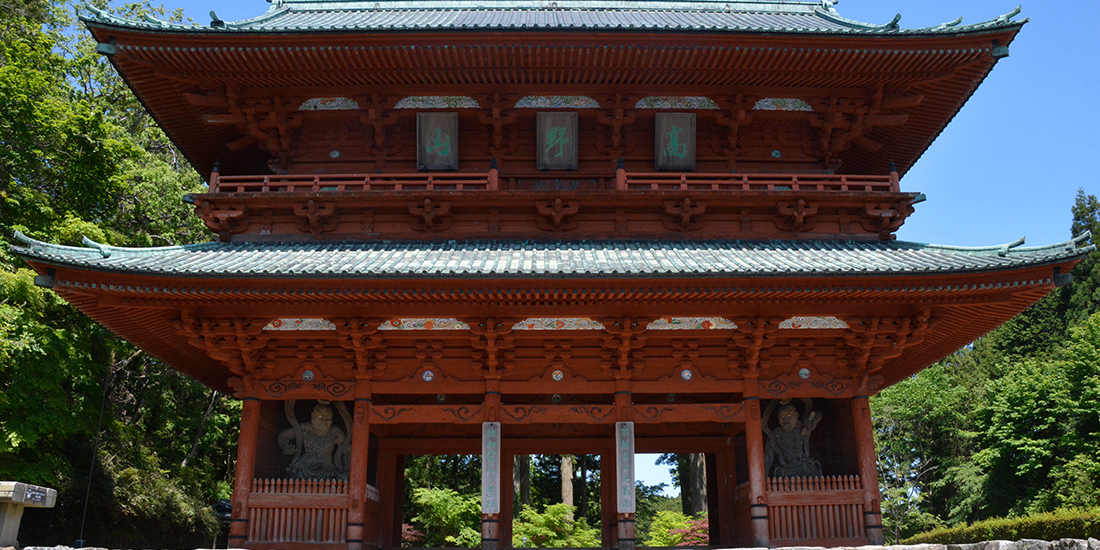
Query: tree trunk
x,y
521,482
693,484
215,398
567,484
582,498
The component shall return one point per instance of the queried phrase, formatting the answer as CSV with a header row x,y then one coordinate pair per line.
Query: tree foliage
x,y
80,157
552,528
1008,426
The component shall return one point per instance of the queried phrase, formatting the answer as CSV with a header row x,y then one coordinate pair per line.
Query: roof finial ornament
x,y
893,25
216,22
150,19
1008,16
828,5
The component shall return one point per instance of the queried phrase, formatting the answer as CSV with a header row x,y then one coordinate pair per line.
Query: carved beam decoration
x,y
271,122
684,215
557,215
374,116
615,118
754,337
885,217
736,114
497,117
623,344
430,216
223,219
875,340
493,337
236,343
316,217
796,217
845,122
361,336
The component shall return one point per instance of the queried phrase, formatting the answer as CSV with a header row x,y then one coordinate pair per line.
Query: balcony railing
x,y
489,181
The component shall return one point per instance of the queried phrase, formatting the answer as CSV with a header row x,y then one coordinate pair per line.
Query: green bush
x,y
661,533
1060,524
552,529
448,518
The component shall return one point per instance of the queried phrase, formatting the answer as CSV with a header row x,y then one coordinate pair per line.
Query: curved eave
x,y
161,66
666,19
564,260
142,306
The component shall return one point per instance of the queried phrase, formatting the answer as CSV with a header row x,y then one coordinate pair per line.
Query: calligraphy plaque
x,y
624,466
557,141
437,141
675,141
490,467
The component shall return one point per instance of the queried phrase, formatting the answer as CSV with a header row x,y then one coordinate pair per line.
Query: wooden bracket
x,y
796,217
316,217
430,216
557,215
684,214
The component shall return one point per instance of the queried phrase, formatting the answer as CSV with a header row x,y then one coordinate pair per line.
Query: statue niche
x,y
787,452
319,450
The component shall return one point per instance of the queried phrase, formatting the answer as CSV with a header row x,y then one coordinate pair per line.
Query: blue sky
x,y
1011,162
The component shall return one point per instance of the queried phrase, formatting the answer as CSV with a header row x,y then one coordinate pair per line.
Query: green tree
x,y
448,518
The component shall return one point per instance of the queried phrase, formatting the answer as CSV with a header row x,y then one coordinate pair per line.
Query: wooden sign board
x,y
490,467
675,142
557,141
624,467
437,141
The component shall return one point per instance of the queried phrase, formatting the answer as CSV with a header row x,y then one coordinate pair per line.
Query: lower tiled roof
x,y
545,259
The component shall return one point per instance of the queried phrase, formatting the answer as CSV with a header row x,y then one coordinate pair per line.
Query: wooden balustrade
x,y
693,181
826,483
488,181
316,183
815,511
301,510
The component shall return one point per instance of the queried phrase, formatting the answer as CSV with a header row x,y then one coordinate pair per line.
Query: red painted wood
x,y
357,497
246,461
868,468
754,438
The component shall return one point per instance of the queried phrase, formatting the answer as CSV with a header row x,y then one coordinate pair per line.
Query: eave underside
x,y
897,325
824,70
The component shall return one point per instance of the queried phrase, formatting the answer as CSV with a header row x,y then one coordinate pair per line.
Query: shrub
x,y
552,529
663,530
1059,524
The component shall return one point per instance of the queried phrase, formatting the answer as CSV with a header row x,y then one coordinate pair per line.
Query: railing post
x,y
620,176
215,175
895,180
494,175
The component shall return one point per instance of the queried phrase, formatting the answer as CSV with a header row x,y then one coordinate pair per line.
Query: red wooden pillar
x,y
868,469
507,508
391,492
754,440
490,468
625,492
246,466
357,477
608,501
714,510
727,481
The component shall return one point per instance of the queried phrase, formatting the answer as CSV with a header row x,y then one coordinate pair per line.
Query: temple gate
x,y
581,227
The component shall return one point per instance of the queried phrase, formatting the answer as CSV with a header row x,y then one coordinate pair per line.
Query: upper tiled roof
x,y
562,259
412,15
